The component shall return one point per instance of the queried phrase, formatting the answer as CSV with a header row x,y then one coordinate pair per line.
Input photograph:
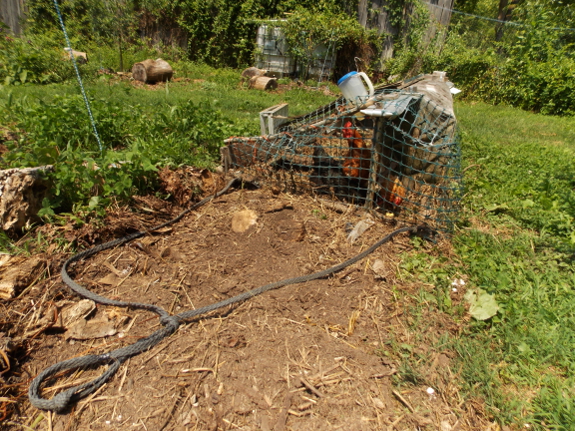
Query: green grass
x,y
221,89
515,241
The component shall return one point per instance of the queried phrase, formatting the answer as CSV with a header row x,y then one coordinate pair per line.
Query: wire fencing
x,y
396,153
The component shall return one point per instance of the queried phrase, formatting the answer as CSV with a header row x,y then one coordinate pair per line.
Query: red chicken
x,y
358,159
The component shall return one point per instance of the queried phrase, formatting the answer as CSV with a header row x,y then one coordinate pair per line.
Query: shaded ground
x,y
318,356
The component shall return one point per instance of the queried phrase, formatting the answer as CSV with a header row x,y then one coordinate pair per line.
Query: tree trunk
x,y
250,72
21,195
121,51
504,14
152,71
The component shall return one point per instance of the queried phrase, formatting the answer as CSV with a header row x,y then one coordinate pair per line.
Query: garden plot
x,y
320,355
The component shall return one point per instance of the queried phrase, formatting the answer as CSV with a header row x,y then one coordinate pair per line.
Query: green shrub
x,y
35,60
531,67
185,134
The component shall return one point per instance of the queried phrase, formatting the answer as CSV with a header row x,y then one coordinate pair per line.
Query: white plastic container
x,y
352,87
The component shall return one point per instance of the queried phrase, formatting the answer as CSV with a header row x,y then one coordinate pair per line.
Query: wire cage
x,y
396,153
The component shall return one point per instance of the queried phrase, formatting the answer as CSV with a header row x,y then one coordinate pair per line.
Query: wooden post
x,y
440,14
81,57
375,15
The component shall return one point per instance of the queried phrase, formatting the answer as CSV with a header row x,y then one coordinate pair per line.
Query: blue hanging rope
x,y
69,49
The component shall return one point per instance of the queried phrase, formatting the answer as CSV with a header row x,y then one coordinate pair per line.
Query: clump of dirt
x,y
315,356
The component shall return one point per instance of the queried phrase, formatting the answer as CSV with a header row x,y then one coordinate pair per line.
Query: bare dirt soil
x,y
322,355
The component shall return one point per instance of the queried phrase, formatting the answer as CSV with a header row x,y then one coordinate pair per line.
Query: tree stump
x,y
152,71
263,83
21,195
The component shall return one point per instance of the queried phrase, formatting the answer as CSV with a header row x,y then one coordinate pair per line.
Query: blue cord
x,y
69,49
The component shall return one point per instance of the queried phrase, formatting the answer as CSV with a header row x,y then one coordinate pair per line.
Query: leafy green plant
x,y
32,60
530,68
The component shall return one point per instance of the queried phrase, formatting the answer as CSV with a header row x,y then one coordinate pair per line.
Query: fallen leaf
x,y
243,220
379,269
71,314
482,305
87,330
359,229
110,279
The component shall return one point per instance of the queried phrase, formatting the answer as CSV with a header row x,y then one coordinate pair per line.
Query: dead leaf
x,y
378,267
278,206
243,220
71,314
87,330
110,279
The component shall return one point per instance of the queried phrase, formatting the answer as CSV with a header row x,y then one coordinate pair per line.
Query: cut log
x,y
263,83
81,57
21,195
152,71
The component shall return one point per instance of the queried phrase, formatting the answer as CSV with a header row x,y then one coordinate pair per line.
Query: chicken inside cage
x,y
398,153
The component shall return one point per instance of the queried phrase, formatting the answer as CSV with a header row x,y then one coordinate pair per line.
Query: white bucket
x,y
352,87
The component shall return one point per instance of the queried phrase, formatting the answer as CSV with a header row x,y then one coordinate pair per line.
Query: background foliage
x,y
531,67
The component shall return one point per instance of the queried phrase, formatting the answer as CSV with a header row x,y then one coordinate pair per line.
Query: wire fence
x,y
396,153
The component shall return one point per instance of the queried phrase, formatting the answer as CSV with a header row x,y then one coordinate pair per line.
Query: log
x,y
152,71
81,57
21,195
263,83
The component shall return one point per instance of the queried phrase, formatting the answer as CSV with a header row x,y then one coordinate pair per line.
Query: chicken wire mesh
x,y
396,153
